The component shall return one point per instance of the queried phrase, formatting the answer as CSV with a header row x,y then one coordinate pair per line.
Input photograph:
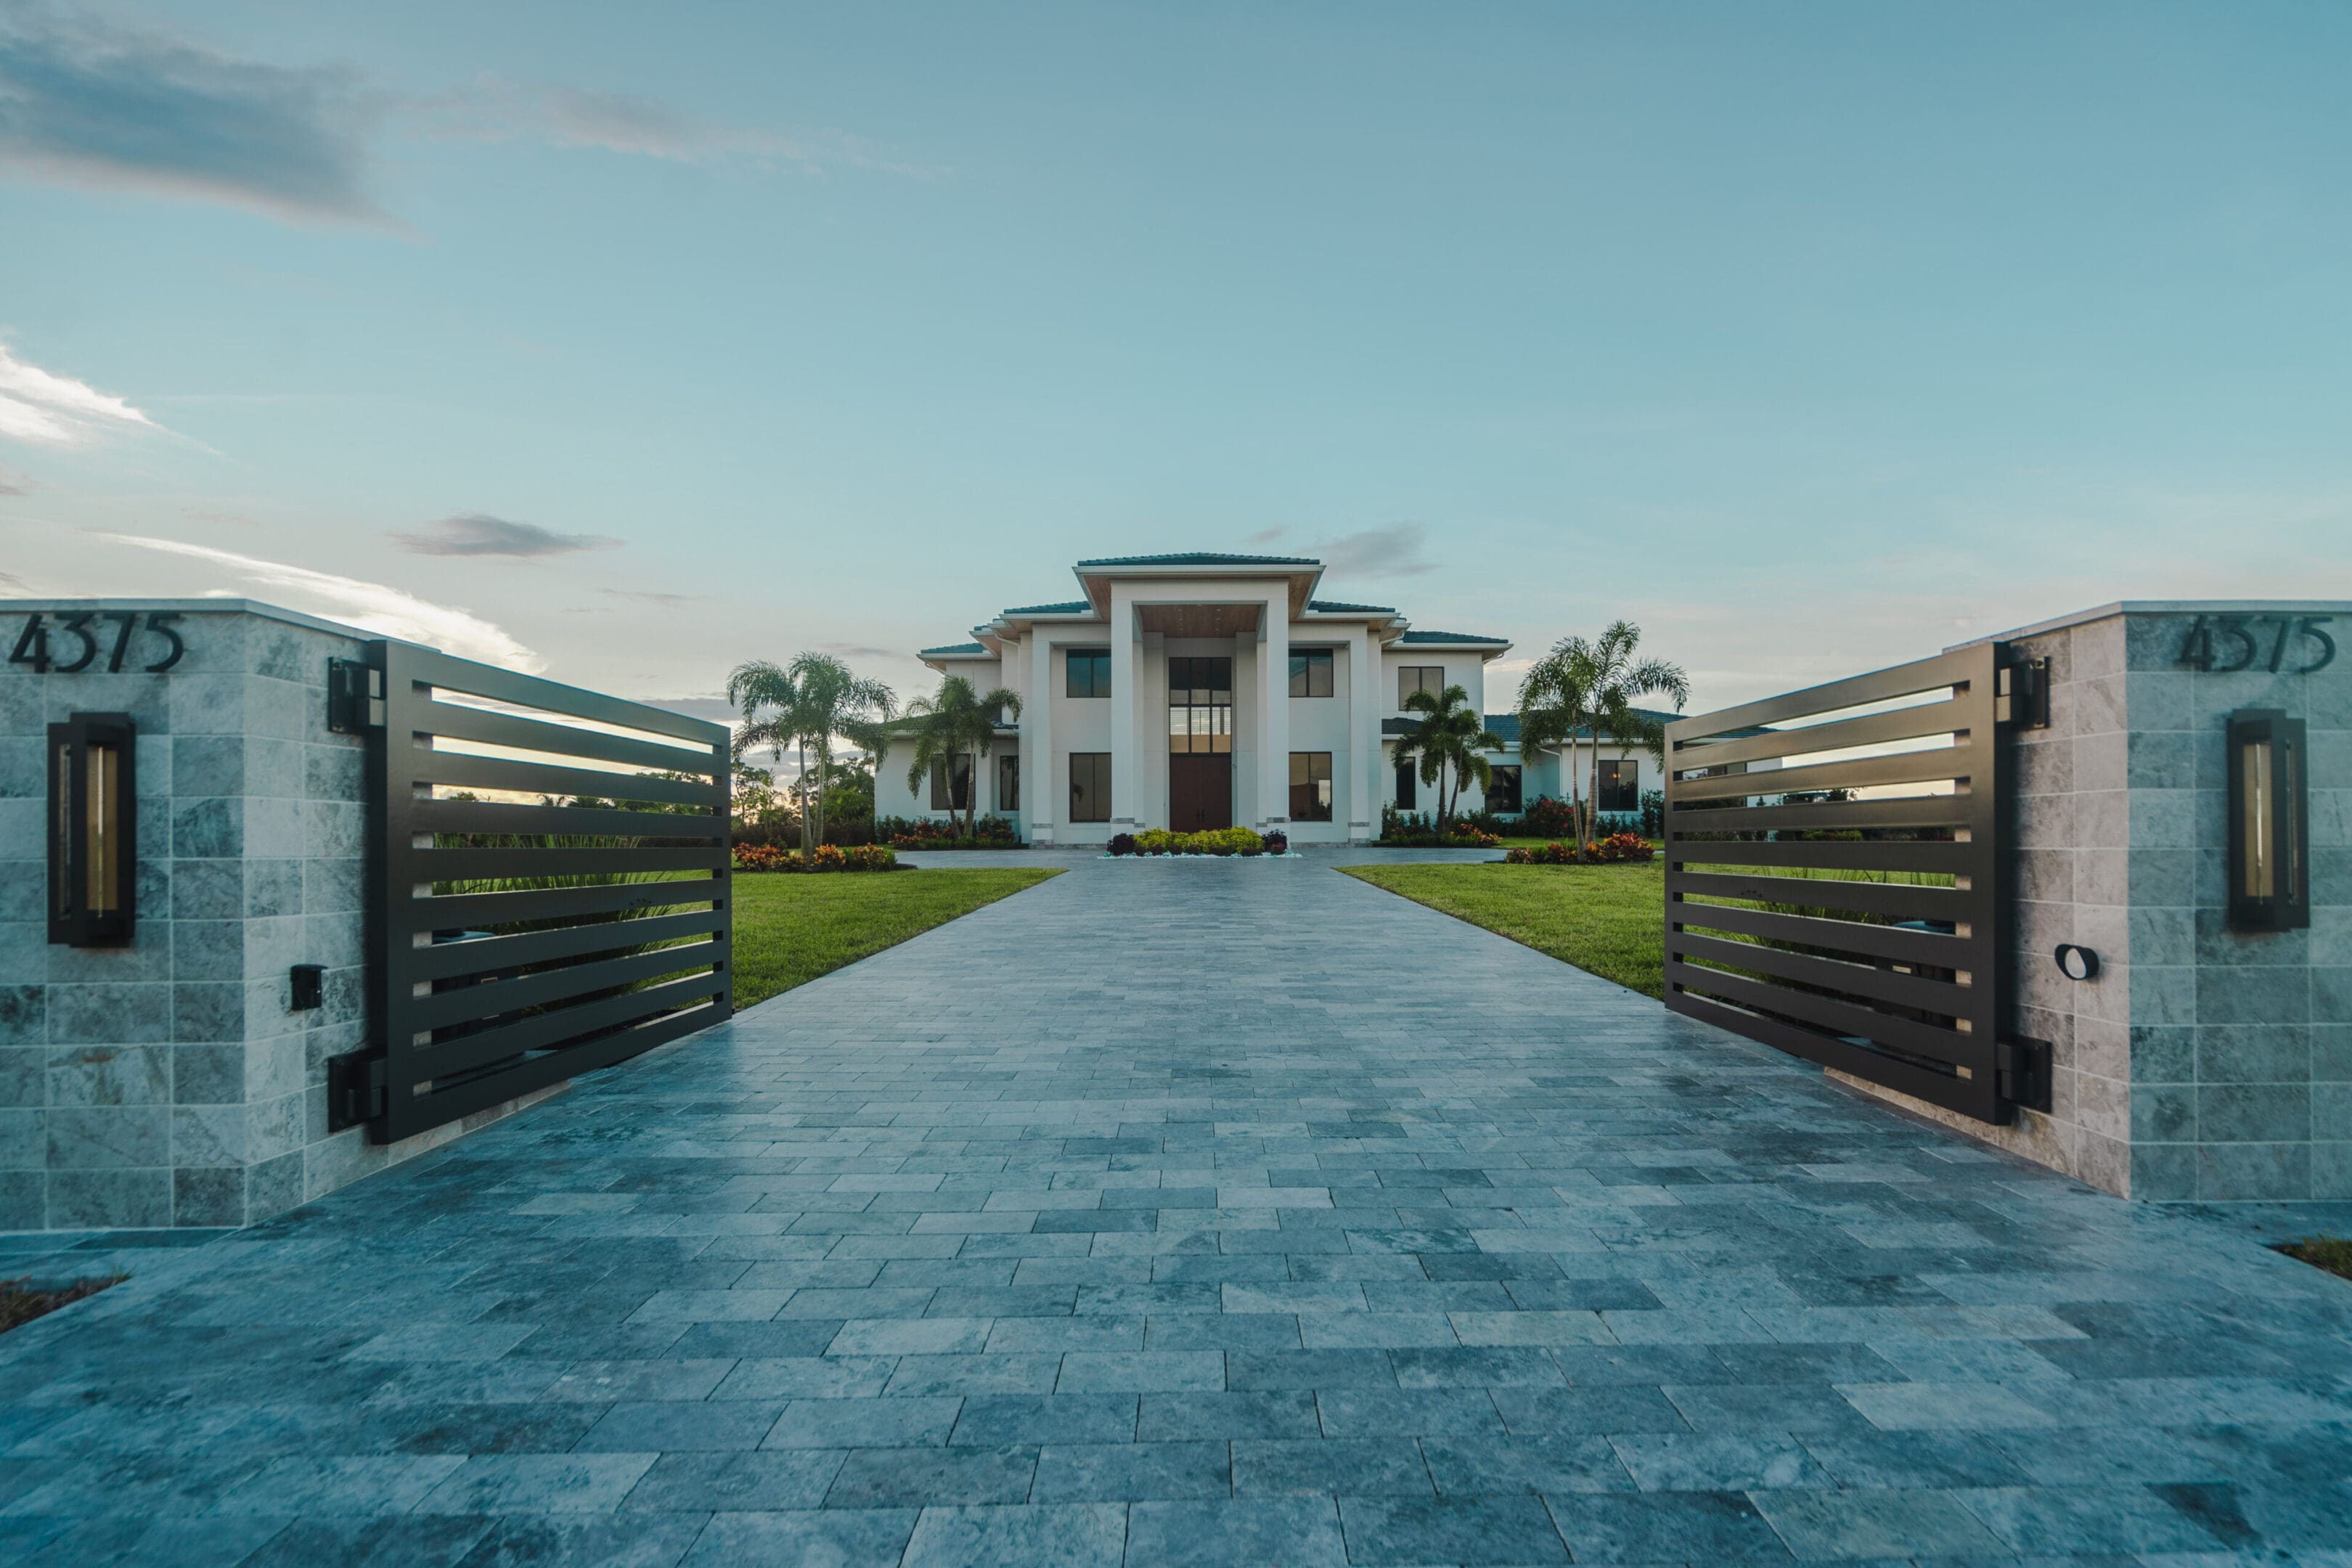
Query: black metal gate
x,y
1833,871
552,884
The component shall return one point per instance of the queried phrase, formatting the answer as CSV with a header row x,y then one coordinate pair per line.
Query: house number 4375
x,y
82,637
2224,644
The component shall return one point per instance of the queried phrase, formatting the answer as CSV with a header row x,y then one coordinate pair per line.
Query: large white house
x,y
1205,690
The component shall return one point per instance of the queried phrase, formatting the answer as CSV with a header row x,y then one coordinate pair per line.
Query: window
x,y
1407,778
1089,786
1008,782
1311,786
1199,706
952,784
1412,678
1503,794
1089,673
1310,672
1621,786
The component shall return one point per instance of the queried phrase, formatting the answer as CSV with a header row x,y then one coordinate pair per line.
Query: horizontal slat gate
x,y
1833,875
554,897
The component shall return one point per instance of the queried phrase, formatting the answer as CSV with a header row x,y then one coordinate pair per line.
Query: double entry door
x,y
1200,743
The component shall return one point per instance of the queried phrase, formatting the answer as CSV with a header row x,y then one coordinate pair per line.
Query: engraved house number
x,y
2223,645
86,644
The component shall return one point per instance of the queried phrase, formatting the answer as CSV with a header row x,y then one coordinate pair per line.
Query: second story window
x,y
1412,678
1310,672
1089,672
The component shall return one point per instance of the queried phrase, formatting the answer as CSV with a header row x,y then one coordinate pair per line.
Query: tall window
x,y
1311,786
1089,786
1412,678
1408,782
1310,672
1503,794
1089,674
1621,786
1199,706
952,784
1008,782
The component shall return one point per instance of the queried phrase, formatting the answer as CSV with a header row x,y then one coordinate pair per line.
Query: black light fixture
x,y
93,831
2270,810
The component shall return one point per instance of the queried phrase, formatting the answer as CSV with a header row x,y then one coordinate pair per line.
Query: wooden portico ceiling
x,y
1199,620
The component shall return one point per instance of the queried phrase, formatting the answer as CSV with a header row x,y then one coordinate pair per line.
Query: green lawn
x,y
790,929
1609,919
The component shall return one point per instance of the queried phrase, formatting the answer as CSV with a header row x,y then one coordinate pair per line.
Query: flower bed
x,y
1461,837
922,833
1618,848
1239,842
826,857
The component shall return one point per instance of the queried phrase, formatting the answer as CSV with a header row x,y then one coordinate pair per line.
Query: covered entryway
x,y
1200,743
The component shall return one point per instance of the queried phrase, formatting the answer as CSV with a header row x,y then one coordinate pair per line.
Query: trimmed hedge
x,y
1219,841
826,857
1618,848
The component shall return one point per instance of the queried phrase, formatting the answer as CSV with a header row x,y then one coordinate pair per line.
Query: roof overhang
x,y
1096,577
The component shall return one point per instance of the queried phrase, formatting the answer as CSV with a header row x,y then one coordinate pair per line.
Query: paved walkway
x,y
1233,1213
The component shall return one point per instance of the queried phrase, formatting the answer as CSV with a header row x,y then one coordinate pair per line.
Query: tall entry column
x,y
1123,782
1363,736
1274,710
1038,791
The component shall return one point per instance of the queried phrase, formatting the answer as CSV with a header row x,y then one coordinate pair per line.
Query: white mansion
x,y
1204,690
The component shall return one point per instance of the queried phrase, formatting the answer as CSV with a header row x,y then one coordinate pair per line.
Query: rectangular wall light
x,y
2270,872
93,818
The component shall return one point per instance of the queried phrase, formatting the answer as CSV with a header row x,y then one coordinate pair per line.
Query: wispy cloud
x,y
1395,551
647,596
375,606
16,585
89,103
479,533
57,410
492,107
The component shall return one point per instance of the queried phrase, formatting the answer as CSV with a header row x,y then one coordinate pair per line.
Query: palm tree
x,y
953,722
809,701
1449,737
831,699
1551,696
1583,688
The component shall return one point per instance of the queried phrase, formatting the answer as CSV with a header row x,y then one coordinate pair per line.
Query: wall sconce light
x,y
2270,874
2077,963
93,831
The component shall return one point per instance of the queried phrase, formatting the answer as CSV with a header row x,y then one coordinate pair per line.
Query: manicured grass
x,y
2333,1253
1609,919
790,929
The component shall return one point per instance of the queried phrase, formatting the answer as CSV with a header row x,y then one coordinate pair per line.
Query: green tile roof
x,y
953,647
1203,558
1448,636
1075,607
1338,608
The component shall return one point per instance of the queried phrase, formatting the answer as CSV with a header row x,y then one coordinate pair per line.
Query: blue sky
x,y
632,342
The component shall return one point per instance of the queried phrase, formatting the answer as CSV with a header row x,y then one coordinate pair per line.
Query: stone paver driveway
x,y
1197,1214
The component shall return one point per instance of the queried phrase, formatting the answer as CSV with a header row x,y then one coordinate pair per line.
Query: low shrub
x,y
923,833
1618,848
1413,830
1277,842
1122,843
827,857
1546,817
1211,841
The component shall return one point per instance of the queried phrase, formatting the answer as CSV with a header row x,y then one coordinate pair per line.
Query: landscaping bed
x,y
21,1300
790,929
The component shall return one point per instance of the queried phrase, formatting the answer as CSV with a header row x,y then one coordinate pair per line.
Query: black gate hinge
x,y
358,1088
355,697
2022,1072
2021,695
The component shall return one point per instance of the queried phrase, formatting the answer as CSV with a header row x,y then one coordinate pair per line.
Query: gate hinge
x,y
2021,695
2022,1072
355,697
358,1088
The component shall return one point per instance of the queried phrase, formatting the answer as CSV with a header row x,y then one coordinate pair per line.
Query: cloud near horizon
x,y
373,606
1394,550
56,410
479,534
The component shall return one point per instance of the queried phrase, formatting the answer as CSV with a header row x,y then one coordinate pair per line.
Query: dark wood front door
x,y
1200,792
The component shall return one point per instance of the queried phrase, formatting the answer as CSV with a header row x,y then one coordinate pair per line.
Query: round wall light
x,y
2077,963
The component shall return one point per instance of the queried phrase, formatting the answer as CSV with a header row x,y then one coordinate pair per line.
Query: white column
x,y
1122,712
1363,737
1274,702
1037,795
